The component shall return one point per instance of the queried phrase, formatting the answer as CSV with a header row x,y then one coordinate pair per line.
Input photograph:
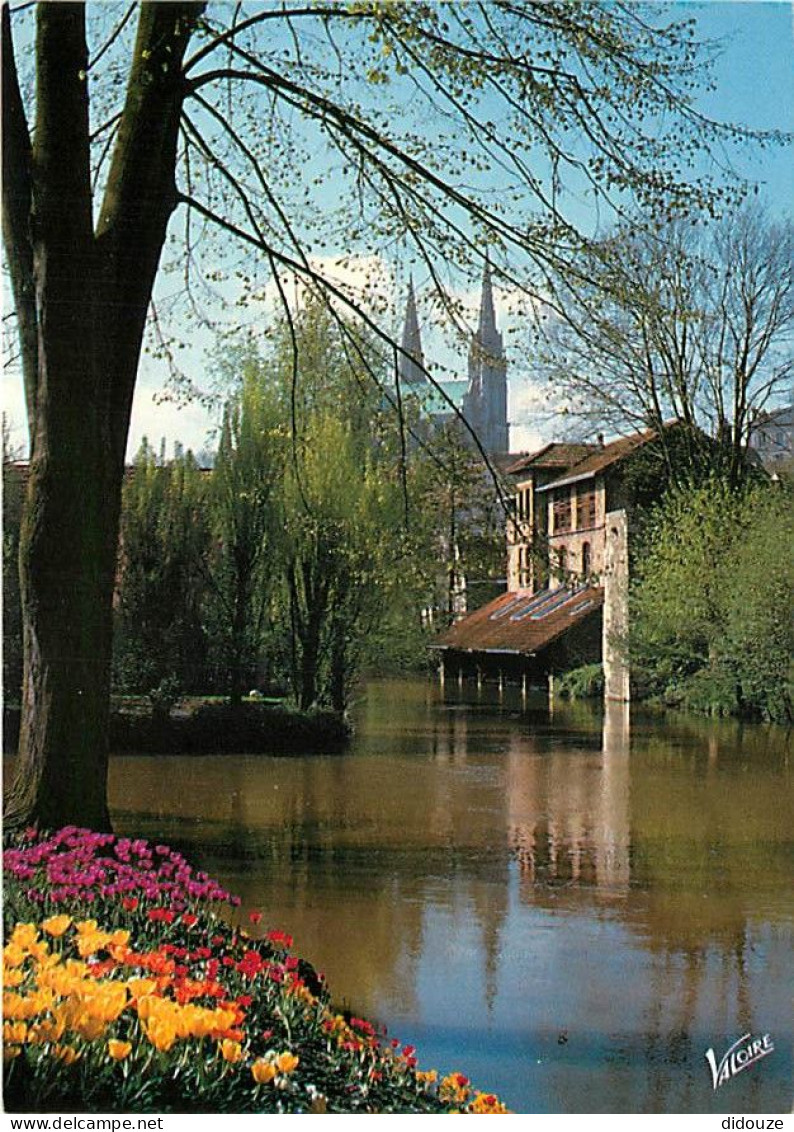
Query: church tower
x,y
485,402
410,367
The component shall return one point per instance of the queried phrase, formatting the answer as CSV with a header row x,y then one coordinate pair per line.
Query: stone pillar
x,y
616,607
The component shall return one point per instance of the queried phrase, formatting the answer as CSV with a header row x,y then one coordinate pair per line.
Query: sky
x,y
755,87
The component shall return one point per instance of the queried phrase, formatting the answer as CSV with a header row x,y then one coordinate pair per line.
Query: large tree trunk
x,y
92,291
67,566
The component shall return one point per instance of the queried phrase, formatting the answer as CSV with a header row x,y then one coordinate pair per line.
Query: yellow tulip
x,y
231,1051
263,1071
12,977
10,1052
90,942
160,1033
67,1054
286,1062
24,935
56,925
14,955
41,1000
119,1050
15,1006
15,1032
222,1019
146,1007
141,987
88,1027
106,1002
47,1030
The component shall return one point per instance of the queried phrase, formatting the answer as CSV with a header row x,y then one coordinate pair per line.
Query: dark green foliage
x,y
245,514
160,644
459,520
712,601
582,683
213,728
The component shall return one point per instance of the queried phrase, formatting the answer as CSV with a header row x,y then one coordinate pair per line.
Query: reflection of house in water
x,y
569,814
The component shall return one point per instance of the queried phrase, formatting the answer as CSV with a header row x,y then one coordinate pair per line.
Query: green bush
x,y
582,683
711,602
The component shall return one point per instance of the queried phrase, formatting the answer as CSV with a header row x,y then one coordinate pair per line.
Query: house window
x,y
523,505
562,562
561,512
586,509
587,560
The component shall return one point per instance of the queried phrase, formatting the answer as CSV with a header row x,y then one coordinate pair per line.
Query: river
x,y
568,907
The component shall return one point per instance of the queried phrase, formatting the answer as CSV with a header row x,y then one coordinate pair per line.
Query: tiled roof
x,y
554,455
602,459
499,626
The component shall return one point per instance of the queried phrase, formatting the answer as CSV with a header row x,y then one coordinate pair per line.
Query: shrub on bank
x,y
217,728
124,989
585,682
711,602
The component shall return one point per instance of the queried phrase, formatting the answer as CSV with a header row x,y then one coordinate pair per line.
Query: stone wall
x,y
616,607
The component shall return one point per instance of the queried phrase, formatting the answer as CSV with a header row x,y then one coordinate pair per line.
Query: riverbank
x,y
202,726
125,989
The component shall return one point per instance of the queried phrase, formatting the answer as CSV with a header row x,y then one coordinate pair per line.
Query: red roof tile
x,y
554,455
492,628
602,458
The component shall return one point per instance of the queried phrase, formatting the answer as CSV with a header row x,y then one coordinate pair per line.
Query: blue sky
x,y
755,87
755,78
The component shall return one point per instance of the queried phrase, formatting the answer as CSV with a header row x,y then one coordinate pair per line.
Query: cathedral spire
x,y
410,367
487,326
485,403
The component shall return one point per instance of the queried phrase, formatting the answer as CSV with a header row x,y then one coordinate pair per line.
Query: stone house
x,y
563,494
567,569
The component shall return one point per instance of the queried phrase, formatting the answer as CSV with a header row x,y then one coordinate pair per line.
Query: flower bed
x,y
125,990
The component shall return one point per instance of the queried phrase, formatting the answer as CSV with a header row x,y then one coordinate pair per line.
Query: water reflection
x,y
568,909
569,816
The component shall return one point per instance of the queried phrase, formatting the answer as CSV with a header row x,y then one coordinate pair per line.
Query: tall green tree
x,y
341,505
224,113
160,643
246,521
460,520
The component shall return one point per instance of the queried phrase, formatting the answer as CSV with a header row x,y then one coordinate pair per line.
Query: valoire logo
x,y
744,1052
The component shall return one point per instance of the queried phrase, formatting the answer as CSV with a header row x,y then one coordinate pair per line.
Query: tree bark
x,y
92,291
